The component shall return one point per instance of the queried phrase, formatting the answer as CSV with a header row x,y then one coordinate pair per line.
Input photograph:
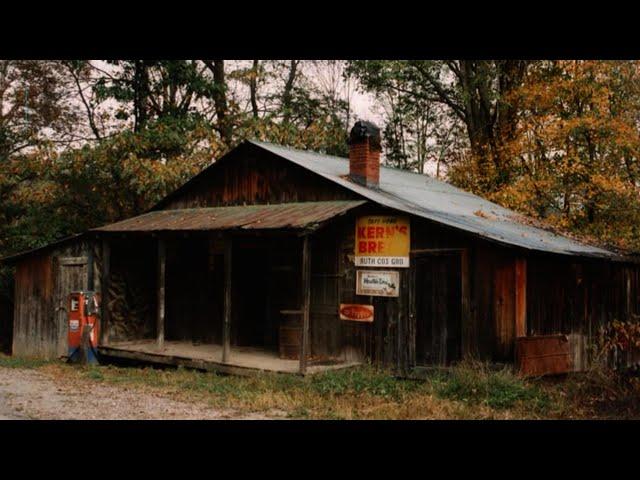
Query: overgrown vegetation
x,y
476,383
468,391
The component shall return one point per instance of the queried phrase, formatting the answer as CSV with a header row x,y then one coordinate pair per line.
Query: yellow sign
x,y
382,241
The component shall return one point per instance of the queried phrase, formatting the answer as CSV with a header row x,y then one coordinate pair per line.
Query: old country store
x,y
292,261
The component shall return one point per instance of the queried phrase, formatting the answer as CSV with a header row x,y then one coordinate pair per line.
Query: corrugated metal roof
x,y
43,248
439,201
305,215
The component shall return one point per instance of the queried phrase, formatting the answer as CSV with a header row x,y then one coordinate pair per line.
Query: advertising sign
x,y
382,241
356,313
379,283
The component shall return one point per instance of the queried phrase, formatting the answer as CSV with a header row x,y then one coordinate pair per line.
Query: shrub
x,y
615,342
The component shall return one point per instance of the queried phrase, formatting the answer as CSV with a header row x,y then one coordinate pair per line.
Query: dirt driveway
x,y
32,394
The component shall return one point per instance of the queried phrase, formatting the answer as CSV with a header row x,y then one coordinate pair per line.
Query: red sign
x,y
356,313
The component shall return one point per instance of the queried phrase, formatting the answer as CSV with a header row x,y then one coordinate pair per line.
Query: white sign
x,y
394,262
378,283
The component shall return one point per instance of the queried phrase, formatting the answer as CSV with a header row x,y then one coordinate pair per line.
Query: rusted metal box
x,y
543,355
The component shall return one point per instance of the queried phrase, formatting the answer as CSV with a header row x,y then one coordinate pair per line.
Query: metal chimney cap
x,y
364,130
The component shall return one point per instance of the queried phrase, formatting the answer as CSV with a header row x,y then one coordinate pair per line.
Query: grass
x,y
467,391
17,362
476,383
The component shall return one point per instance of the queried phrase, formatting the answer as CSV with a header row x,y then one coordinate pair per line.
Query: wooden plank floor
x,y
243,360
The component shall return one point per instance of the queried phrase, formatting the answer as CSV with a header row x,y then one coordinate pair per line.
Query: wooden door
x,y
438,305
71,276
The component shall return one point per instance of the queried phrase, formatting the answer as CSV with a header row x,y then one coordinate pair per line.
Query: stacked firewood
x,y
129,309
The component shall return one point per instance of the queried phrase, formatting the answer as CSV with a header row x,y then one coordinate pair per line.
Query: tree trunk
x,y
141,95
489,118
253,88
287,92
220,99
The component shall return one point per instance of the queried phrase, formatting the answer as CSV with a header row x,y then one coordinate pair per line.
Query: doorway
x,y
71,276
250,281
265,283
438,308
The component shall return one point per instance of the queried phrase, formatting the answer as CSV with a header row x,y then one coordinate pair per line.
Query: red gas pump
x,y
83,326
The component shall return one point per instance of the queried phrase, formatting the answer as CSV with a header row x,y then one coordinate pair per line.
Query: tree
x,y
472,93
576,149
35,106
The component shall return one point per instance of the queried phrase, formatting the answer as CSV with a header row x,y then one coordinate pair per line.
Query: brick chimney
x,y
364,154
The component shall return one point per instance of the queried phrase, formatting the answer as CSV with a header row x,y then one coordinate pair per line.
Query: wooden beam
x,y
629,309
521,297
306,301
162,261
226,325
418,251
468,329
105,283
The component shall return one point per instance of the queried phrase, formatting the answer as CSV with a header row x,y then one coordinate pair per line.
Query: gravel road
x,y
31,394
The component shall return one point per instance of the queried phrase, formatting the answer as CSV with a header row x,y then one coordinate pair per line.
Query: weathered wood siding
x,y
487,297
42,283
6,323
253,176
35,333
576,298
500,285
325,327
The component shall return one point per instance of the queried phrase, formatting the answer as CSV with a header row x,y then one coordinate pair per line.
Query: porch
x,y
225,289
242,360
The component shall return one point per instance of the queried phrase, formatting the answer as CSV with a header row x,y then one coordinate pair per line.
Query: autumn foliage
x,y
572,159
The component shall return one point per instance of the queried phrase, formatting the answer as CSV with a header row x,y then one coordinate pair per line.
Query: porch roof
x,y
289,216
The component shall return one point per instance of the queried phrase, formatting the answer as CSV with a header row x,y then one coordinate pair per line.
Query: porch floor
x,y
243,360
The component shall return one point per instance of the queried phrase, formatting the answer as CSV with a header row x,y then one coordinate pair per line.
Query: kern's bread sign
x,y
356,313
382,241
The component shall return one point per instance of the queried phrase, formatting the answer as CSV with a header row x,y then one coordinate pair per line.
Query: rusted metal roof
x,y
427,197
56,243
307,215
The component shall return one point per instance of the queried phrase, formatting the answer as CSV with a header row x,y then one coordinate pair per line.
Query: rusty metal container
x,y
543,355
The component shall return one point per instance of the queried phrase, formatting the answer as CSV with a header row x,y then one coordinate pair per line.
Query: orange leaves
x,y
578,148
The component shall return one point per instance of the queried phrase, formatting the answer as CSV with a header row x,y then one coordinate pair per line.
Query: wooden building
x,y
274,259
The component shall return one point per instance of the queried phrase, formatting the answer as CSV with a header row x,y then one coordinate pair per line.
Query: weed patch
x,y
476,383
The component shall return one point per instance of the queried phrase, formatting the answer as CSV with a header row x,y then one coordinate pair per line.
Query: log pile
x,y
129,308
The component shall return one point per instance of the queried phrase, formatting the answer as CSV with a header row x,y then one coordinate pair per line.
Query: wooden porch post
x,y
162,260
629,308
521,297
105,282
226,327
306,300
468,329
